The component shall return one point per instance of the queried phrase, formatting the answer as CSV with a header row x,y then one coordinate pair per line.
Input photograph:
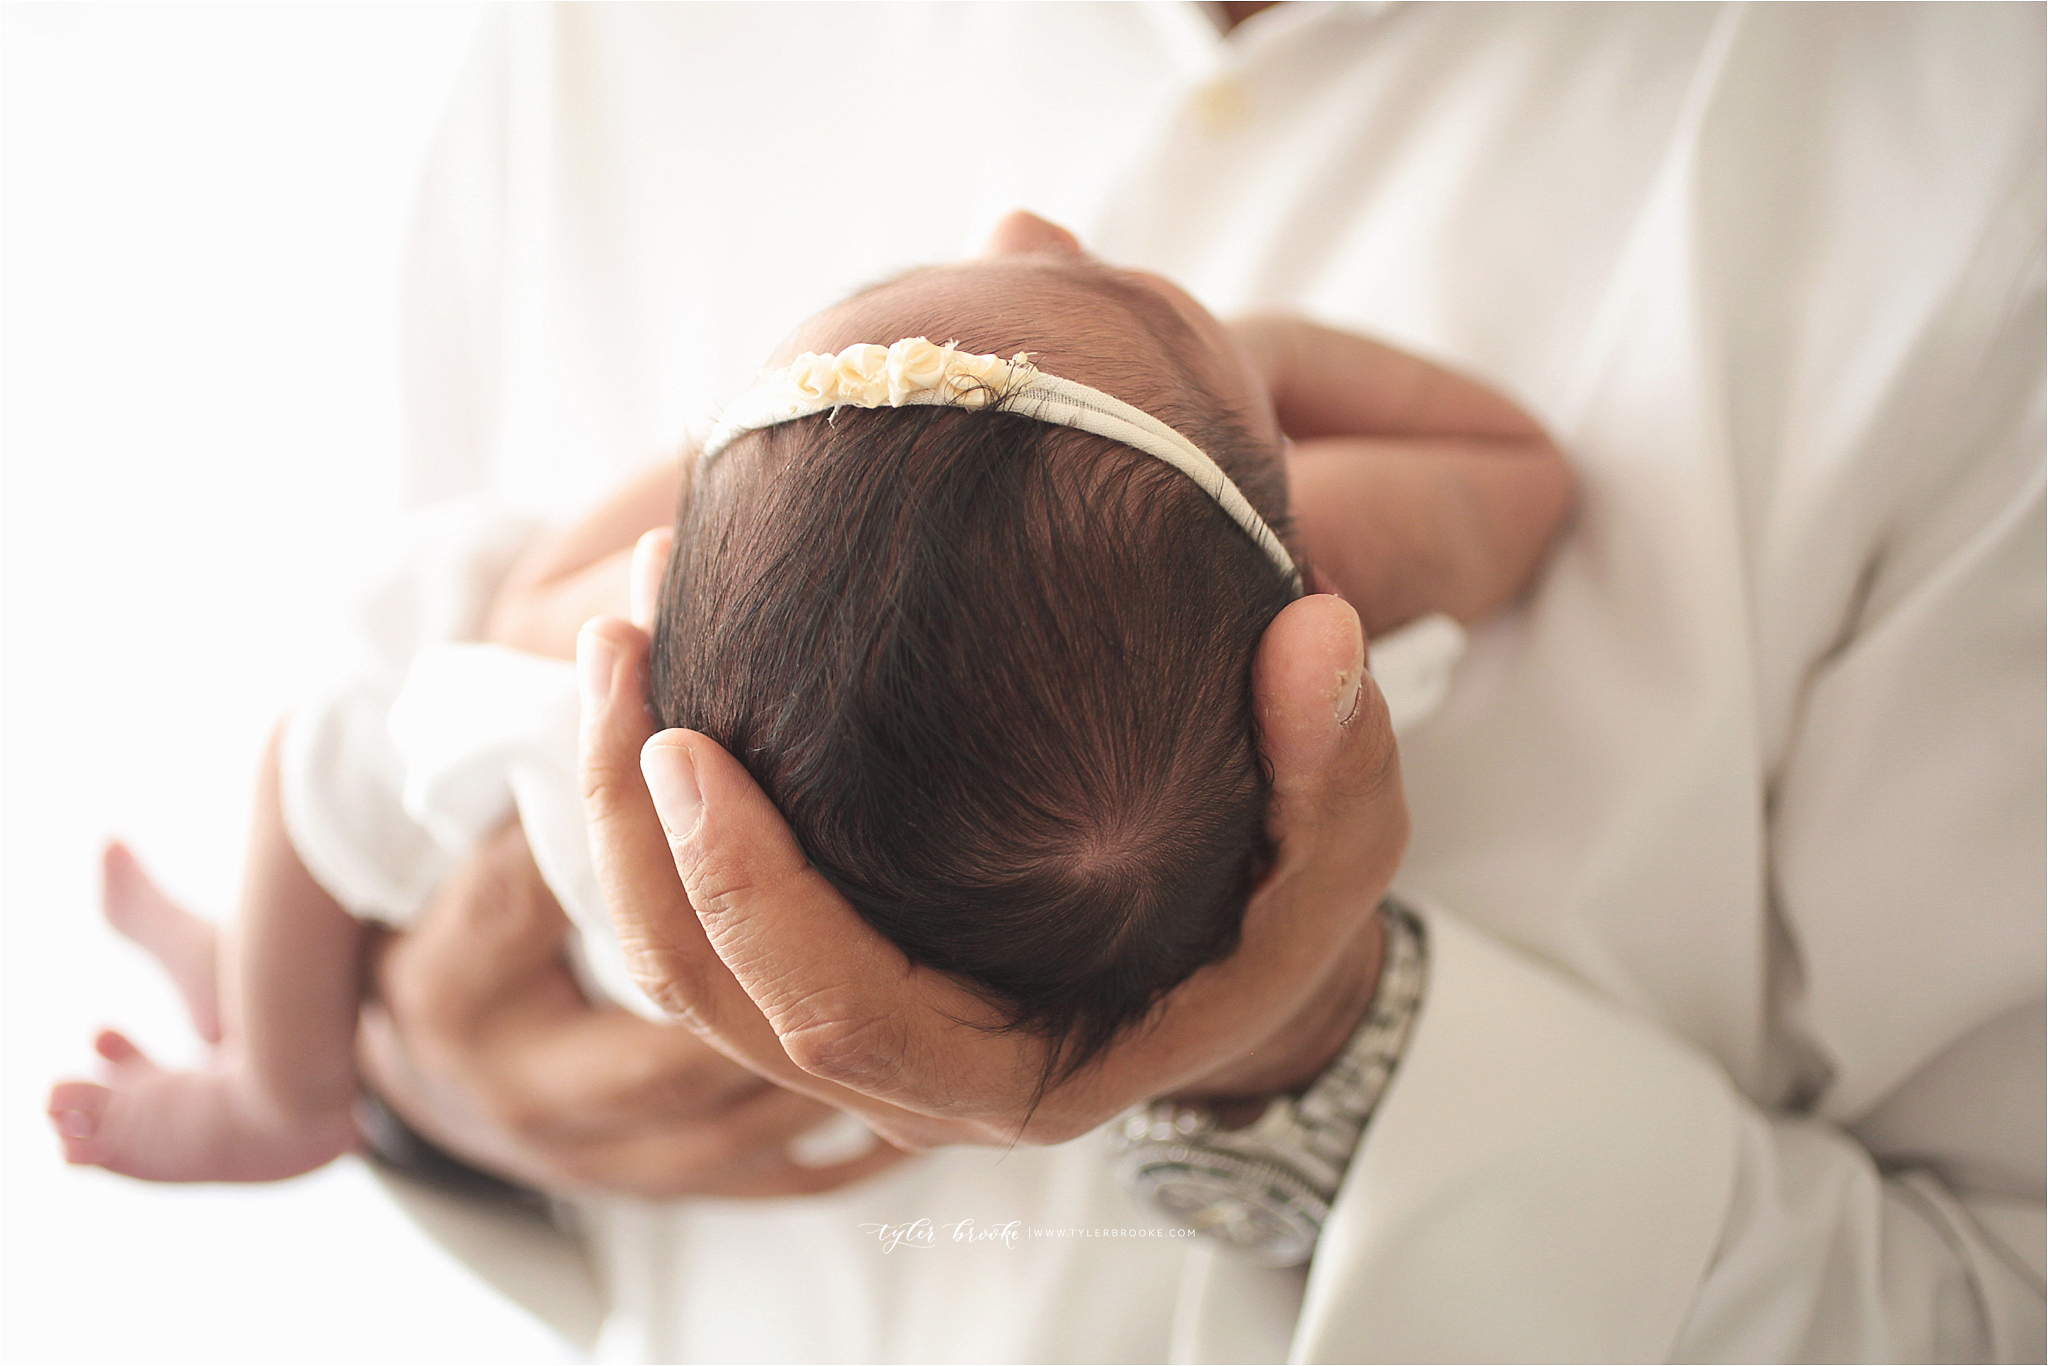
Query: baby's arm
x,y
572,575
275,1100
1414,489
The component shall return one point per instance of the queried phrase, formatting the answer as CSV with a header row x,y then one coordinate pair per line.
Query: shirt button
x,y
1222,105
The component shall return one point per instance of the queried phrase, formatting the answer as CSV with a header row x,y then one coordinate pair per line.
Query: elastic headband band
x,y
914,371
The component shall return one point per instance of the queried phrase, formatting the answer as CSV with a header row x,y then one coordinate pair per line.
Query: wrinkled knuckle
x,y
682,1006
853,1051
679,991
717,883
671,978
609,787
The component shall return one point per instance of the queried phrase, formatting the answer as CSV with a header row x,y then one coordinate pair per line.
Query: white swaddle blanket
x,y
482,732
434,741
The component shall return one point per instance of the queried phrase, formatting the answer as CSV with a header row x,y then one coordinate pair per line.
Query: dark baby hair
x,y
996,674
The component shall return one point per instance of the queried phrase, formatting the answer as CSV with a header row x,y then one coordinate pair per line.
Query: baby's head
x,y
995,672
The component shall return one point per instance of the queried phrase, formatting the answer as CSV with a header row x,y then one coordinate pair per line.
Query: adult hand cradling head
x,y
727,925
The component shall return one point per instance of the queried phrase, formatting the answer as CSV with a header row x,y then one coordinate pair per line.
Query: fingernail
x,y
1347,697
594,658
77,1124
643,582
671,775
1351,682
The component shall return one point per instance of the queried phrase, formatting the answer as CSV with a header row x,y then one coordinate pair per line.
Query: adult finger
x,y
664,943
435,1091
1327,739
609,1072
844,1002
475,1032
739,1150
1340,824
658,932
1336,815
643,582
491,938
483,977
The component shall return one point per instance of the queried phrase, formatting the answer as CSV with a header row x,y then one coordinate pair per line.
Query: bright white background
x,y
199,435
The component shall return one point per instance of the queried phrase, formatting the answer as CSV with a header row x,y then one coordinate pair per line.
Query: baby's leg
x,y
276,1098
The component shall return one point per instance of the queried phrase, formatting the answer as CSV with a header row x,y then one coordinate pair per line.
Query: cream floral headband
x,y
915,371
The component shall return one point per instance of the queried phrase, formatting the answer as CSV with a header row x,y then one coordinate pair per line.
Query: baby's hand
x,y
581,571
1414,489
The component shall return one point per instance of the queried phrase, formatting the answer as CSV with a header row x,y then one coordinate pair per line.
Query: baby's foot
x,y
185,1126
187,947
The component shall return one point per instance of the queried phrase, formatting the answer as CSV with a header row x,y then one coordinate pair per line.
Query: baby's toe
x,y
77,1109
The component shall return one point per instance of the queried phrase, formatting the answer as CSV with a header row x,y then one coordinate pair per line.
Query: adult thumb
x,y
1324,731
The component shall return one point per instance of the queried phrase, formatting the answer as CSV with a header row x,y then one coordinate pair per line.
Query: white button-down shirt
x,y
1731,836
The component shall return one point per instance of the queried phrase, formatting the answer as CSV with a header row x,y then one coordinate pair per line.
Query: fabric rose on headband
x,y
871,376
915,365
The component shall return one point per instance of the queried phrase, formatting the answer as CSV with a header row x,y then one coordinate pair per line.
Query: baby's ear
x,y
643,585
1022,232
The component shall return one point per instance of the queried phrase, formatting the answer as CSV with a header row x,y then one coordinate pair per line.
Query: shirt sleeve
x,y
1549,1178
